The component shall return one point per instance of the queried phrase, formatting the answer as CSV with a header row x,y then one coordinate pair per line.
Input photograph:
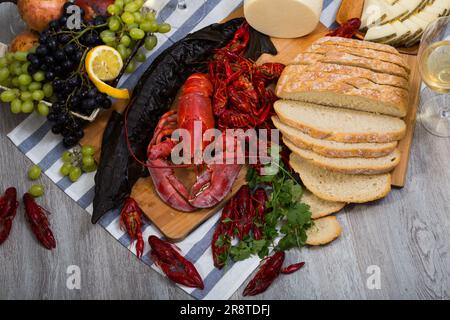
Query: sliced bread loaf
x,y
334,149
342,90
320,208
368,166
332,186
362,52
324,231
353,43
349,71
349,59
341,125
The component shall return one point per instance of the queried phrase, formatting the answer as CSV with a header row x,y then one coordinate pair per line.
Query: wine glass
x,y
434,65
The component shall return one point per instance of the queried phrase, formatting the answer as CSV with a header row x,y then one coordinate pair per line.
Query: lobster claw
x,y
168,187
213,185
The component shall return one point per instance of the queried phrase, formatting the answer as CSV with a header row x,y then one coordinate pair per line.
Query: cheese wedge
x,y
412,6
374,13
381,34
413,28
396,12
391,2
401,31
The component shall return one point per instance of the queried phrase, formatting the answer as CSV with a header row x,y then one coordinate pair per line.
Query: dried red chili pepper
x,y
173,264
37,217
266,274
131,221
8,210
292,268
347,30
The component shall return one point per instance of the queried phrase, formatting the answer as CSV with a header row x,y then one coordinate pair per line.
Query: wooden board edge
x,y
399,175
184,235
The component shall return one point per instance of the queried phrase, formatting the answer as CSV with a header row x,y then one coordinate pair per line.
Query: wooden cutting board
x,y
177,225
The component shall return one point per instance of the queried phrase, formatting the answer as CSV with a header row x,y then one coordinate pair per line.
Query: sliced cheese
x,y
442,4
413,28
427,16
391,2
382,34
434,10
412,5
396,12
402,32
415,19
283,18
374,13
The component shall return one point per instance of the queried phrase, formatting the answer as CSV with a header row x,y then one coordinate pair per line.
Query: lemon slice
x,y
104,63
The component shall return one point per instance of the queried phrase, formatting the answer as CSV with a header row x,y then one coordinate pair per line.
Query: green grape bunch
x,y
77,161
26,92
128,25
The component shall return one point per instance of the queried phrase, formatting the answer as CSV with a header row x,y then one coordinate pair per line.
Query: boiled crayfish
x,y
131,221
176,267
214,182
241,98
8,209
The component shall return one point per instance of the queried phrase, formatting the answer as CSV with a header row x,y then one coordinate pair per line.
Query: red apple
x,y
94,8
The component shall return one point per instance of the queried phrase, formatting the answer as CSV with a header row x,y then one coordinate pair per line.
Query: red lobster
x,y
214,182
8,209
240,98
131,221
37,217
173,264
268,272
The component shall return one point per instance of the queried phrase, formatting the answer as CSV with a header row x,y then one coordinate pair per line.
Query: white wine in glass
x,y
434,64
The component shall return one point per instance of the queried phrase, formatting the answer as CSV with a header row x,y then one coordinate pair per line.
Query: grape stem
x,y
88,28
136,48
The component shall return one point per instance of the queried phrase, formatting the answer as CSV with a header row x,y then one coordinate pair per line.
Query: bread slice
x,y
324,231
362,52
369,166
344,91
332,186
320,208
349,59
341,125
334,149
349,71
353,43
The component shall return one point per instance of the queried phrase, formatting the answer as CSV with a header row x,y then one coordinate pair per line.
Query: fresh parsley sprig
x,y
288,216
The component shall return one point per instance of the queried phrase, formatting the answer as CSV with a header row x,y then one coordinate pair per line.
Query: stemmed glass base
x,y
435,114
189,13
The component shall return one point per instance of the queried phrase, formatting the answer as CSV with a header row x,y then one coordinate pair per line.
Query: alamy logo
x,y
234,146
74,20
374,279
74,279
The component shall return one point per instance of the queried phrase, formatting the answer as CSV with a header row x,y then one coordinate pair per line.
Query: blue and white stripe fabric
x,y
34,138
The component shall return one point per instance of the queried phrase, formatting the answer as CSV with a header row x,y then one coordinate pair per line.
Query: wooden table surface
x,y
405,236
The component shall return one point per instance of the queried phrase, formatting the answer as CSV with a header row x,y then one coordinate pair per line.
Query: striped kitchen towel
x,y
34,138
